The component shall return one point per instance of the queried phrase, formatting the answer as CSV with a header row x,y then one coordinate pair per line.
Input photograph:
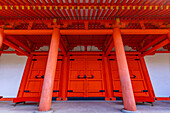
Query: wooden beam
x,y
162,52
110,47
88,32
28,32
62,47
85,53
6,99
144,31
162,98
128,53
44,53
153,42
14,40
163,43
1,37
81,53
8,43
108,43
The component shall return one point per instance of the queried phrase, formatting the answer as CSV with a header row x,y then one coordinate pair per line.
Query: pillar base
x,y
126,111
50,111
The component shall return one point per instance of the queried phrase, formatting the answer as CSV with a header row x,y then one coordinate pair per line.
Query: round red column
x,y
126,86
47,90
1,37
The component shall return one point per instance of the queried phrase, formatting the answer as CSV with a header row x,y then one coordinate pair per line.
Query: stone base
x,y
50,111
126,111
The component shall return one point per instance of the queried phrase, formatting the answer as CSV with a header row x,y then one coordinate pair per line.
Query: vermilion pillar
x,y
46,95
109,88
126,86
1,37
64,78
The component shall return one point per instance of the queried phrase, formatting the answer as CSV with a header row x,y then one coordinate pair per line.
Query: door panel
x,y
33,89
94,71
36,76
136,75
87,72
95,88
35,79
76,88
76,85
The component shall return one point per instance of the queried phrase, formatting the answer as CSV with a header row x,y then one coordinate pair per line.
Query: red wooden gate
x,y
86,77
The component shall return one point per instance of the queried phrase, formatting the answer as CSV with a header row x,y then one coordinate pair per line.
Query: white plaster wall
x,y
159,70
11,70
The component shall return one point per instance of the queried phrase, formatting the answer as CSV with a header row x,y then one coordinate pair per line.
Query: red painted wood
x,y
1,37
108,78
126,86
64,78
140,83
47,90
30,86
90,85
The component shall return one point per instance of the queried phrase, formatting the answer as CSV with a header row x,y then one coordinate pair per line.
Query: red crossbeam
x,y
14,40
153,42
88,32
8,43
165,42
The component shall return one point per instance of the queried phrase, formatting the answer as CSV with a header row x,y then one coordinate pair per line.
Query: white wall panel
x,y
11,70
159,70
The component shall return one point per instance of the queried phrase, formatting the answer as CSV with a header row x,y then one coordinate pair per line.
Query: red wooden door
x,y
76,84
137,76
36,76
95,80
86,77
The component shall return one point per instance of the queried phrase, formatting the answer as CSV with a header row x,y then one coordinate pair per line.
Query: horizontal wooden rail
x,y
144,31
162,98
85,53
28,32
88,32
6,99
